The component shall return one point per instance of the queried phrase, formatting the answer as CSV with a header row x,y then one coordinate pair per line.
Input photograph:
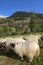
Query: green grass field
x,y
13,59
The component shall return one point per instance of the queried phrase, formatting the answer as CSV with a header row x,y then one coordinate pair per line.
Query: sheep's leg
x,y
37,53
22,58
30,59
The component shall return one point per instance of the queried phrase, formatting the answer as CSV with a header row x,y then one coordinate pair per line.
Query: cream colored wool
x,y
28,47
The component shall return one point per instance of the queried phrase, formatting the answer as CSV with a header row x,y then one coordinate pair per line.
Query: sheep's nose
x,y
12,45
42,37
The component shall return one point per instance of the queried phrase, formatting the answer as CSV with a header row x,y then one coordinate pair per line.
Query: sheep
x,y
2,41
7,43
12,41
29,49
25,49
36,38
42,37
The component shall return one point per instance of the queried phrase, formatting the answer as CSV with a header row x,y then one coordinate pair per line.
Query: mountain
x,y
22,22
19,15
22,17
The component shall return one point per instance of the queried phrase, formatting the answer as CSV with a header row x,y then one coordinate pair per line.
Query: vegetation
x,y
21,23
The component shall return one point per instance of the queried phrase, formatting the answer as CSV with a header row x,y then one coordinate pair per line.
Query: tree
x,y
31,24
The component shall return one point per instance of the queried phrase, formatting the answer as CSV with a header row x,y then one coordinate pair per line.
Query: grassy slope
x,y
10,59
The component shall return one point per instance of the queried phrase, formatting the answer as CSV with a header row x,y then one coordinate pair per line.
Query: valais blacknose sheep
x,y
12,41
29,48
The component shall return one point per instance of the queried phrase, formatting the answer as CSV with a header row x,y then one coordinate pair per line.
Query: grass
x,y
13,59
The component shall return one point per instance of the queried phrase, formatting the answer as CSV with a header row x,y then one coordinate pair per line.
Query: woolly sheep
x,y
7,43
36,38
29,49
12,41
2,41
42,37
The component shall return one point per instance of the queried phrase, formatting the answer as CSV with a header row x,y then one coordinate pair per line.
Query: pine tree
x,y
31,24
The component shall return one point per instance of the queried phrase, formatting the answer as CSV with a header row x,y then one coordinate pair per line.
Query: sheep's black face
x,y
1,45
42,37
12,45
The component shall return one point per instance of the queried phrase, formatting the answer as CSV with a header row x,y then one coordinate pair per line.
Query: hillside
x,y
23,15
22,22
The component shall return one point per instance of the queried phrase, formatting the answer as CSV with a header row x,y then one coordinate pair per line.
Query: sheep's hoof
x,y
21,58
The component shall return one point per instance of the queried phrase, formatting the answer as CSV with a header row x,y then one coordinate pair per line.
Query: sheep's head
x,y
39,37
3,45
14,45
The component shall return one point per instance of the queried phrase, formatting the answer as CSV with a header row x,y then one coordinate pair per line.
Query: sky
x,y
8,7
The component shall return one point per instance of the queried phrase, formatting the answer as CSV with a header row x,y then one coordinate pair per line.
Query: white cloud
x,y
1,16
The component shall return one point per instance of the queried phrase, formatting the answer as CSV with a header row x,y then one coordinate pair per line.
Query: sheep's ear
x,y
24,38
